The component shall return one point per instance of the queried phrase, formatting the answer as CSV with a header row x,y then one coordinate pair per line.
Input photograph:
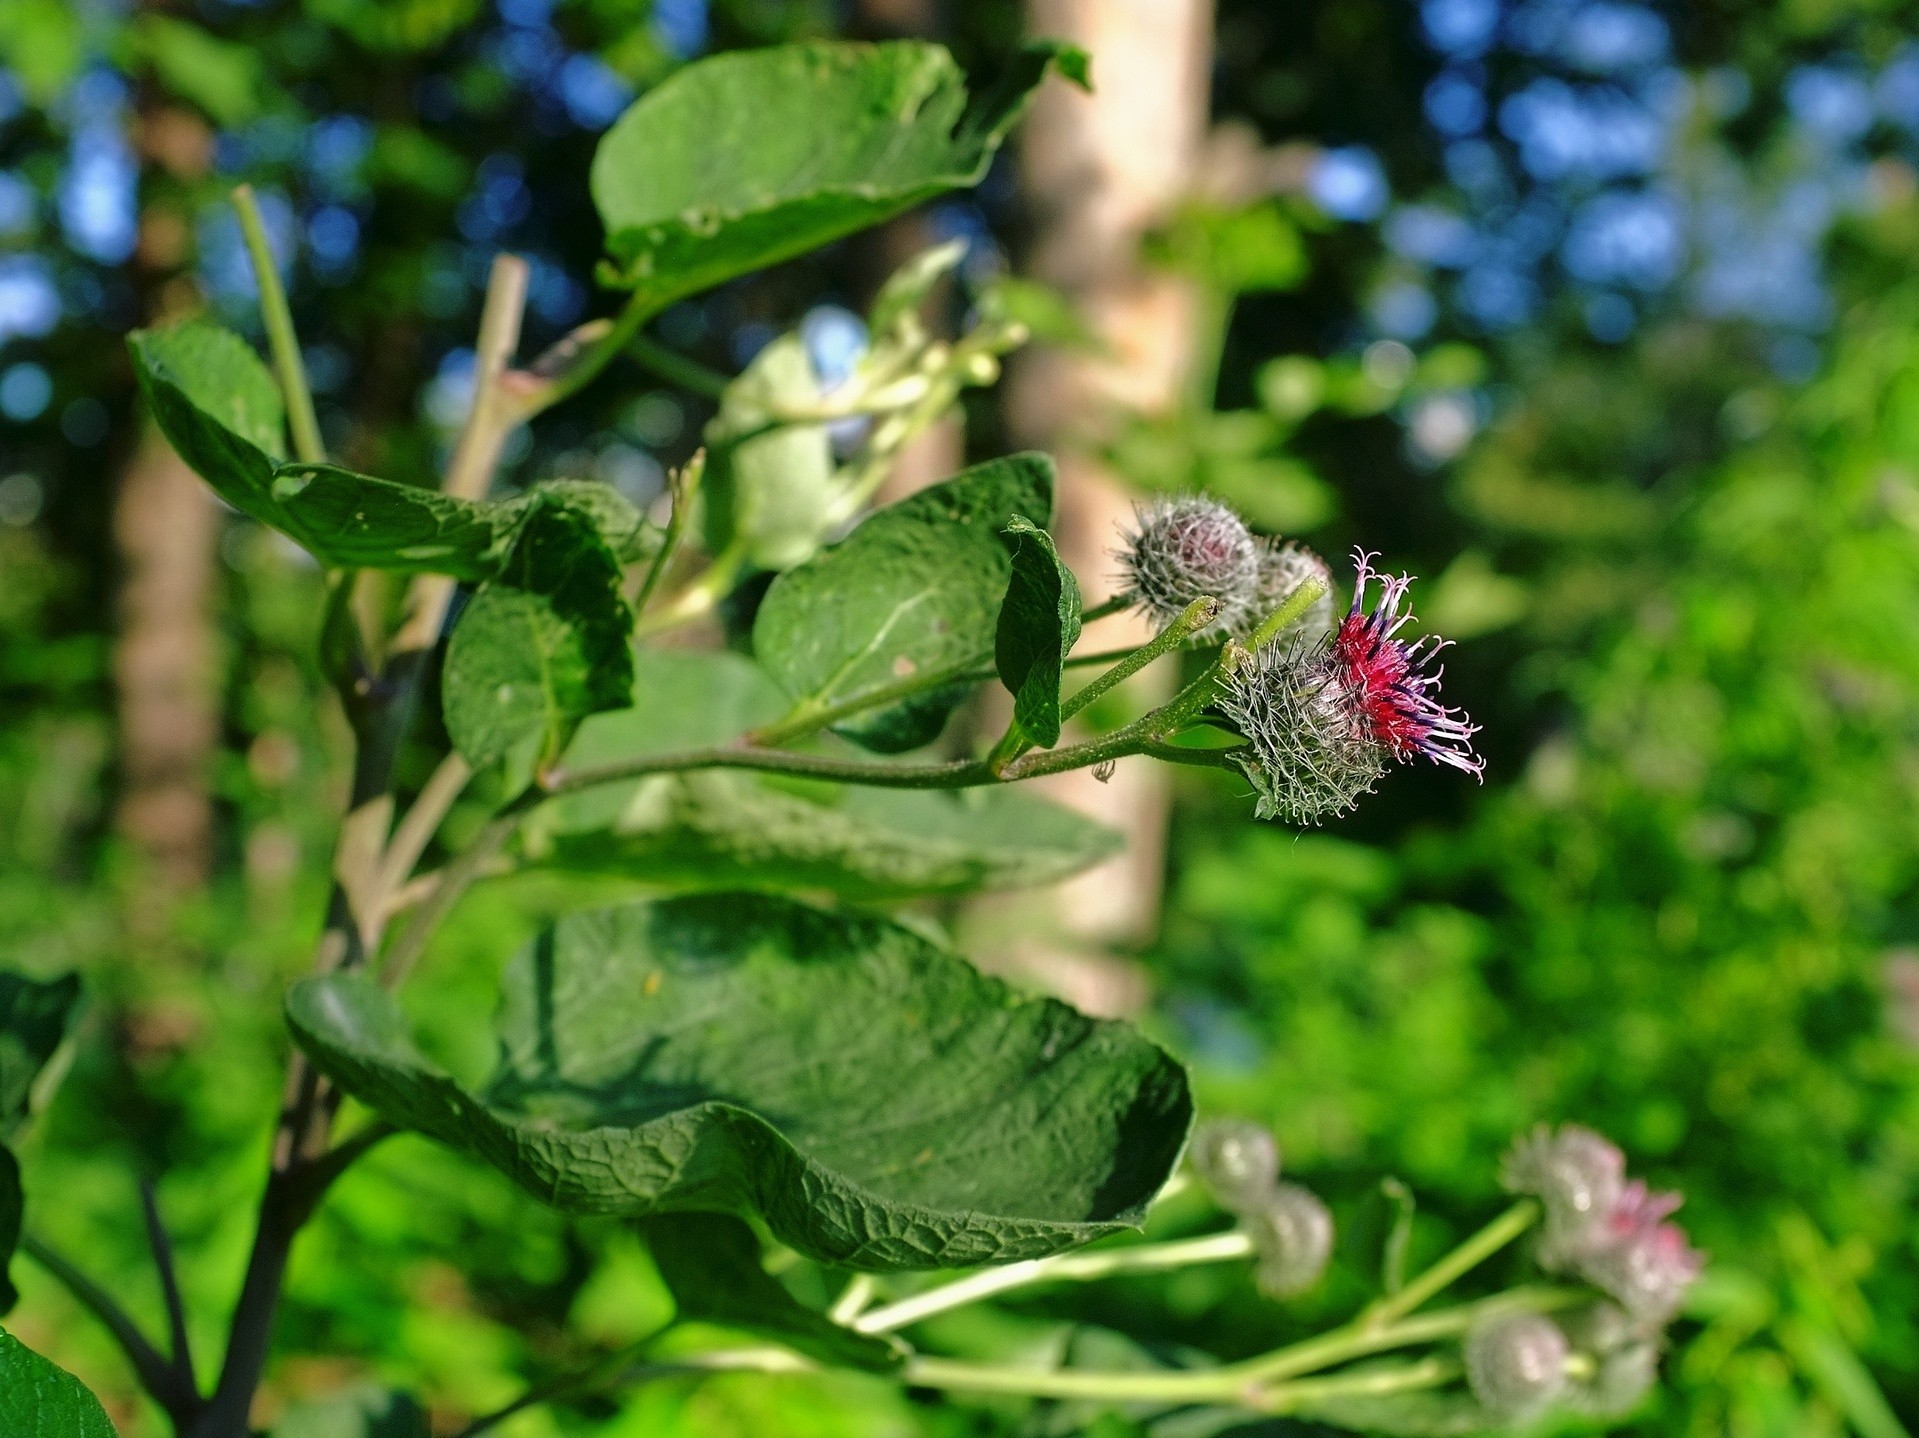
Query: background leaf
x,y
1038,627
38,1400
874,1098
742,160
711,1262
729,830
773,495
544,645
366,1412
915,588
220,409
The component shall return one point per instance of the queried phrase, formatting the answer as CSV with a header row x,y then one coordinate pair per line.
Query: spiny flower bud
x,y
1292,1232
1283,567
1516,1364
1238,1160
1322,720
1578,1176
1189,548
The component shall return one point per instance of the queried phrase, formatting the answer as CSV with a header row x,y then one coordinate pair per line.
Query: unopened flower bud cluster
x,y
1612,1232
1291,1230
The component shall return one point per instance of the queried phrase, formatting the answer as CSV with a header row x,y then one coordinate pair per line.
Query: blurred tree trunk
x,y
166,529
1099,170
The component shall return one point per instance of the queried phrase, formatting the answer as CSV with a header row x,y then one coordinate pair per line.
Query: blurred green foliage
x,y
1676,911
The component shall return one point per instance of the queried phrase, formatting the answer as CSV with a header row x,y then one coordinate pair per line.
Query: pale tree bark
x,y
1099,171
166,529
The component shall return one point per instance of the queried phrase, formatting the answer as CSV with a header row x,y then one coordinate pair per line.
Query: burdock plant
x,y
729,1067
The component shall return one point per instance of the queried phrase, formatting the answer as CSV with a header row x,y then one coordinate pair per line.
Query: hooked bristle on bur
x,y
1189,548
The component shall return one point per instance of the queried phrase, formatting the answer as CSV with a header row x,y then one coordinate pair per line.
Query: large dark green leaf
x,y
542,646
221,410
915,589
732,830
38,1400
876,1100
1038,627
745,159
711,1262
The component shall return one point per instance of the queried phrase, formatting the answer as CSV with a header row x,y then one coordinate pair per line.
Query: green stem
x,y
810,716
281,338
1357,1339
685,483
698,597
1106,609
1303,1396
675,368
610,344
1139,1258
1463,1259
1297,603
1195,617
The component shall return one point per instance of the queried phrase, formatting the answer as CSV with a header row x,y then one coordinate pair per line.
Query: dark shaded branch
x,y
157,1376
162,1247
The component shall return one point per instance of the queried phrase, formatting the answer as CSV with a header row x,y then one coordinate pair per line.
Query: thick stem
x,y
1141,1258
285,345
417,827
454,881
159,1378
300,1167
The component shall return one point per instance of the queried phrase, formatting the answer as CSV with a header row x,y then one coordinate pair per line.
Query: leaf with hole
x,y
711,1262
717,830
220,408
872,1097
542,646
914,590
744,159
39,1400
1038,627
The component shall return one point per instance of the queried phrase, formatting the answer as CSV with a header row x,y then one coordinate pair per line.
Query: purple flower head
x,y
1578,1176
1642,1260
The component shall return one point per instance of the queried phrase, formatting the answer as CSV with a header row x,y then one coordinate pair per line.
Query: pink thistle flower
x,y
1323,716
1390,683
1643,1261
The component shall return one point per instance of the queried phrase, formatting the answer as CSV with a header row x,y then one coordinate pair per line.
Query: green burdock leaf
x,y
748,158
719,830
543,645
915,589
364,1412
1038,627
38,1400
711,1262
872,1097
220,409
